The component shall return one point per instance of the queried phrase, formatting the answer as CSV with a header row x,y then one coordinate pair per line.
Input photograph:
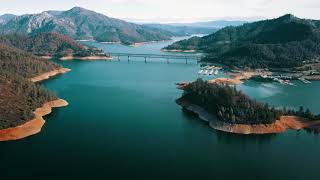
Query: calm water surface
x,y
122,122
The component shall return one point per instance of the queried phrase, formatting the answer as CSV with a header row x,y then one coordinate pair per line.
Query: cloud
x,y
174,10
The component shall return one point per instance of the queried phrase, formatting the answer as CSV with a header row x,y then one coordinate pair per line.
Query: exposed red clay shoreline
x,y
33,126
227,81
235,80
279,126
47,75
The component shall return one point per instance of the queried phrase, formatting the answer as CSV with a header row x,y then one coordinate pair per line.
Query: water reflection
x,y
224,137
230,138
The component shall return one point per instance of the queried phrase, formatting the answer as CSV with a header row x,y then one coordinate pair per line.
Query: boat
x,y
216,72
205,72
211,72
200,72
205,67
304,80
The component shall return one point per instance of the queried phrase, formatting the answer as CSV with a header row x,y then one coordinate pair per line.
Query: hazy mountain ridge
x,y
183,30
218,24
80,23
6,18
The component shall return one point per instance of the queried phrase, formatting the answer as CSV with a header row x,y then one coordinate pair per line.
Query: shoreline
x,y
34,125
86,58
225,81
279,126
236,78
49,74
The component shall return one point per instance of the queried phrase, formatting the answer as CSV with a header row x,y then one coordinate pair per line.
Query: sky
x,y
164,11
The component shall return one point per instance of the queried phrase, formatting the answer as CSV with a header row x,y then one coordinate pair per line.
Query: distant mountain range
x,y
286,41
185,29
217,24
6,18
79,23
82,24
178,30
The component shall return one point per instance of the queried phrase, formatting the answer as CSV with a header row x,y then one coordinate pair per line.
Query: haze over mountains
x,y
180,30
6,18
82,24
217,24
79,23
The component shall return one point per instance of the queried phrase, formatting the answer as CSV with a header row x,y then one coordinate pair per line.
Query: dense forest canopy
x,y
19,97
277,43
21,63
47,44
232,106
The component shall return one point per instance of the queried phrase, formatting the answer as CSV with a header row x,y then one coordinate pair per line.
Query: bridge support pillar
x,y
128,58
118,58
186,60
145,59
167,60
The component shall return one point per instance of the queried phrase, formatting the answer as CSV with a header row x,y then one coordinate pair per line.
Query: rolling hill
x,y
283,42
47,44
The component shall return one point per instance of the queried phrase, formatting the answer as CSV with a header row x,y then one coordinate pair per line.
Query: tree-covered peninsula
x,y
19,97
231,107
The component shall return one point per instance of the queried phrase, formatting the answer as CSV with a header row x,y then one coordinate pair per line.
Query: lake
x,y
122,122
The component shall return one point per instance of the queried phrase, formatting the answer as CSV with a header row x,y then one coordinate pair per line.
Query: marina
x,y
209,70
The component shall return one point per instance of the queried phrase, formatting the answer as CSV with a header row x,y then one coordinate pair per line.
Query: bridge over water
x,y
159,56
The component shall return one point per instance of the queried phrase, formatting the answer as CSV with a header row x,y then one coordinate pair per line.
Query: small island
x,y
229,110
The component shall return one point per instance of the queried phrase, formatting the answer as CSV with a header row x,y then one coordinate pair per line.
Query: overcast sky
x,y
173,10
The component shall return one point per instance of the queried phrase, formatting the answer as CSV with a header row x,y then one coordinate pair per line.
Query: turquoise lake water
x,y
123,123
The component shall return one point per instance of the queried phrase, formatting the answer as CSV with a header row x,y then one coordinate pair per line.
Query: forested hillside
x,y
19,97
18,62
47,44
283,42
232,106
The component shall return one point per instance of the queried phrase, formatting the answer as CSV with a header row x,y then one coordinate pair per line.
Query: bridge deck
x,y
167,56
